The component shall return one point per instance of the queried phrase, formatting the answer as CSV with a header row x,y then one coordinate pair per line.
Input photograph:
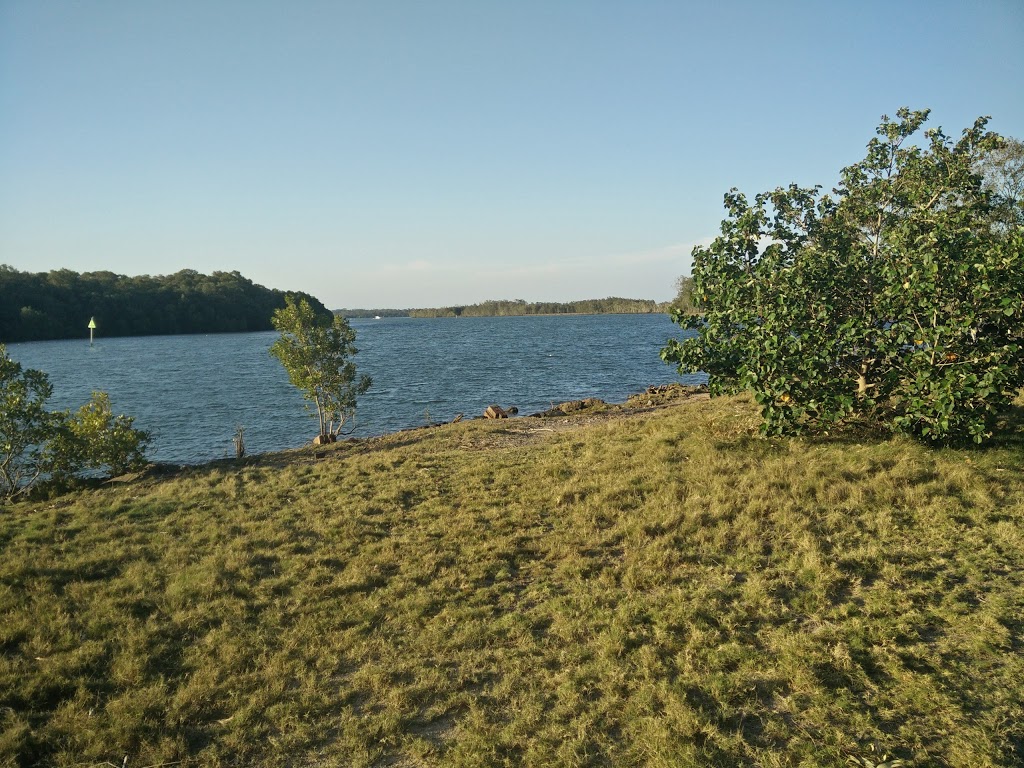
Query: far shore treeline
x,y
39,306
518,307
59,304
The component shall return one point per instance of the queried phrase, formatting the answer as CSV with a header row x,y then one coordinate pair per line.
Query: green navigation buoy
x,y
92,327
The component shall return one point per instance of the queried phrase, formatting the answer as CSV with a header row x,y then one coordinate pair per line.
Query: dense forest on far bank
x,y
515,307
59,304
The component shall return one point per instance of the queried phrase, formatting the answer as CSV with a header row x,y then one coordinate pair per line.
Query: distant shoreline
x,y
520,308
341,312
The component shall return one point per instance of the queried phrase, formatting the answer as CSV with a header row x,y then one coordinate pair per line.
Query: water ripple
x,y
194,391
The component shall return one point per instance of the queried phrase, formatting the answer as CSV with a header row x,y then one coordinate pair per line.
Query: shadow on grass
x,y
1007,434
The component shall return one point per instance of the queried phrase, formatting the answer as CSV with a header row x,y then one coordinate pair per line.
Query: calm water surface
x,y
193,392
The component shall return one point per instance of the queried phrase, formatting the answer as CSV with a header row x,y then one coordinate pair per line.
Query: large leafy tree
x,y
316,350
896,298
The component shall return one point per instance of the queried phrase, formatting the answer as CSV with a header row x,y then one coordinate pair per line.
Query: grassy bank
x,y
658,588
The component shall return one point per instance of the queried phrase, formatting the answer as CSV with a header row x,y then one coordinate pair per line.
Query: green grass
x,y
660,589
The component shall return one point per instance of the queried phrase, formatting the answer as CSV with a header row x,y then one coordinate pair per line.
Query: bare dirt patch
x,y
576,414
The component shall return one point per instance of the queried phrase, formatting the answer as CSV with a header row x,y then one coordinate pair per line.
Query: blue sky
x,y
405,154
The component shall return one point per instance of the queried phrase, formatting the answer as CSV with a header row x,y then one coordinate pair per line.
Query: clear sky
x,y
409,154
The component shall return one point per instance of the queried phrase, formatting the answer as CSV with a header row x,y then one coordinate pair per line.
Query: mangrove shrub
x,y
897,298
37,444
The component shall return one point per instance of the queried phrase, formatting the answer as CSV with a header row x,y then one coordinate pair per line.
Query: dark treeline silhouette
x,y
59,304
506,308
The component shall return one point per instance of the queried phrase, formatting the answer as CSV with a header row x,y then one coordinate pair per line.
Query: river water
x,y
193,392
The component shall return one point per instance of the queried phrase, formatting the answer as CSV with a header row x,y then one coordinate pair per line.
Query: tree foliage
x,y
57,446
684,302
25,425
897,298
315,349
1003,175
58,304
94,439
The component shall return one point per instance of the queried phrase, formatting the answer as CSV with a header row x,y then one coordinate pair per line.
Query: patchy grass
x,y
654,589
